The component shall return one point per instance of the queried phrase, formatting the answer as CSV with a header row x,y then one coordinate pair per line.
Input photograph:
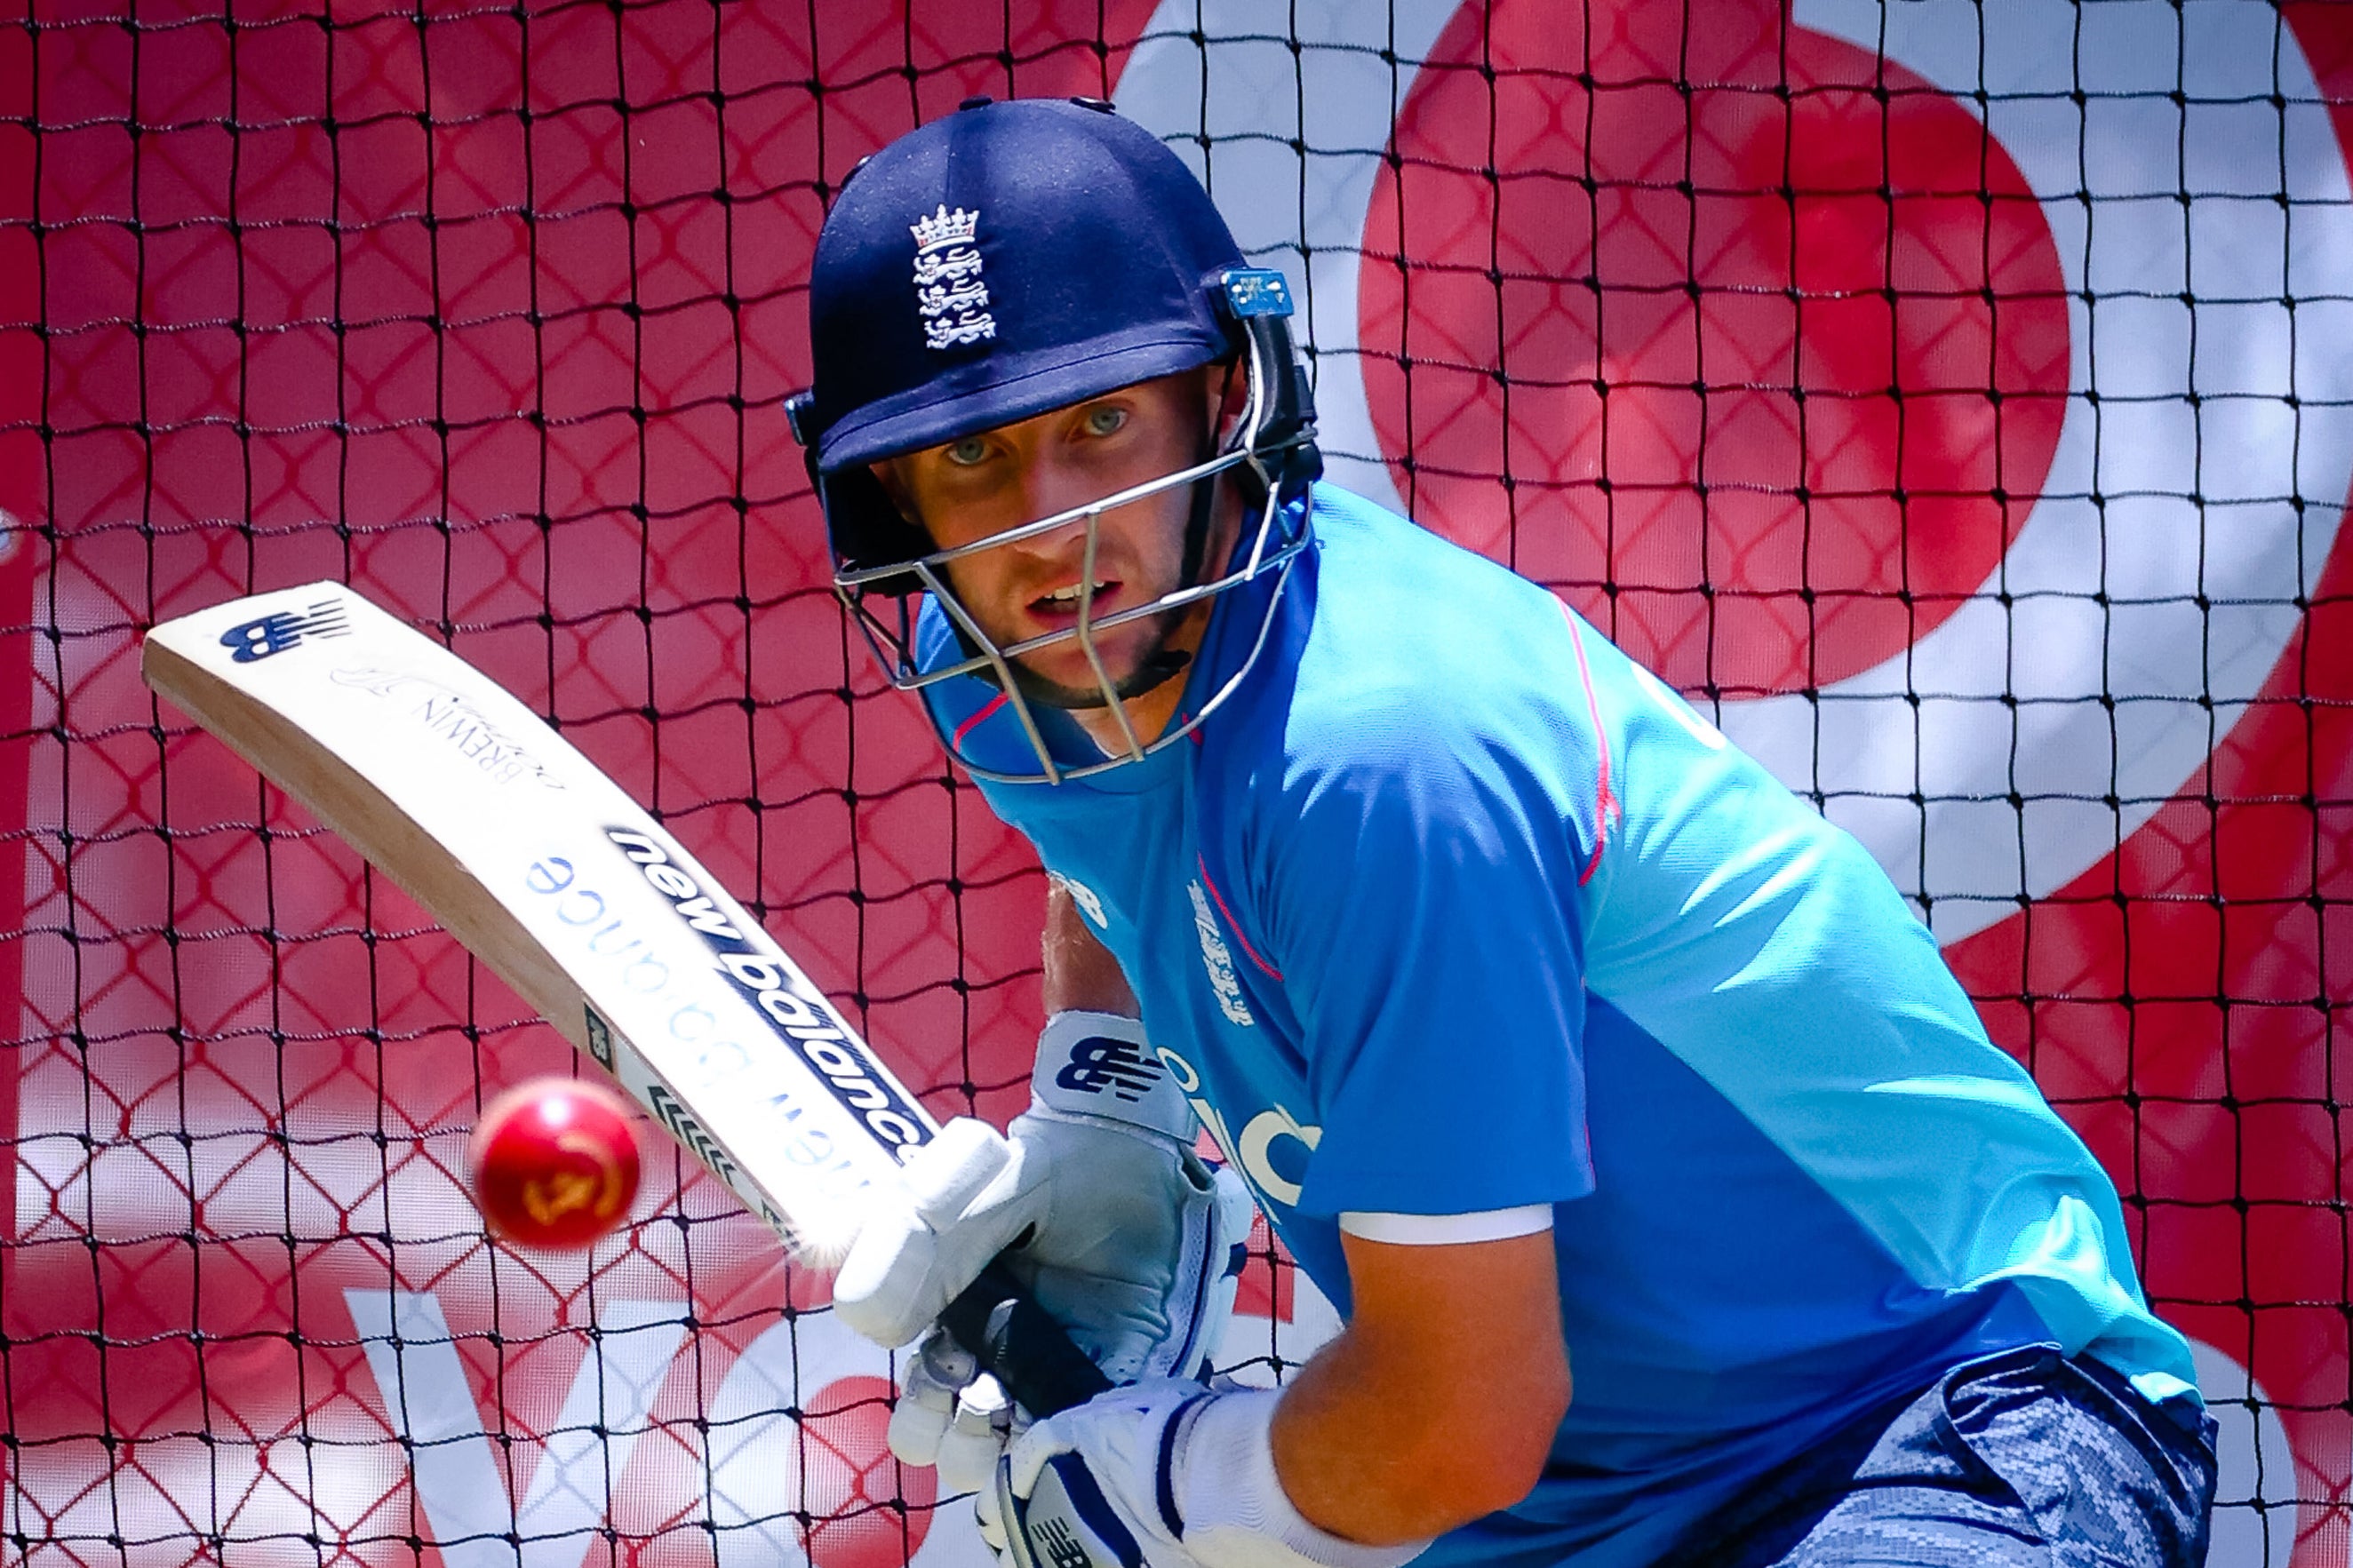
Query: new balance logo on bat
x,y
274,634
785,1000
613,948
693,905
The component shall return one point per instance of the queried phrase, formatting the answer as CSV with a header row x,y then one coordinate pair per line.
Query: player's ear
x,y
1227,386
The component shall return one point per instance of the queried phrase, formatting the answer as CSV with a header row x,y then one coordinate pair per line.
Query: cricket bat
x,y
554,877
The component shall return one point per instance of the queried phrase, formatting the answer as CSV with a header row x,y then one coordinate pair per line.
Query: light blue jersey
x,y
1454,907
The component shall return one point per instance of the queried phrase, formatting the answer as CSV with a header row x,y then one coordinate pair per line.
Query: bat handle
x,y
1014,1337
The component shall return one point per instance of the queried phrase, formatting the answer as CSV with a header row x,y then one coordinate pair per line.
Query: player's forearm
x,y
1416,1421
1079,971
1359,1463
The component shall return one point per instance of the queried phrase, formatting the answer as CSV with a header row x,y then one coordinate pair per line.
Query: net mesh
x,y
1955,404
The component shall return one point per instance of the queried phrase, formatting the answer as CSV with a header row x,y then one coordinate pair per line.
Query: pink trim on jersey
x,y
1232,924
975,723
1605,804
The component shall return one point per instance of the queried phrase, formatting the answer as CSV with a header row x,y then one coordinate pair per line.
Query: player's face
x,y
971,490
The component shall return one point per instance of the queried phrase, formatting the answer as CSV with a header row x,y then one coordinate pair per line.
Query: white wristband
x,y
1447,1229
1098,1064
1232,1505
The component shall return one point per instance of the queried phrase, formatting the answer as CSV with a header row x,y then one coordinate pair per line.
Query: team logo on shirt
x,y
1217,960
1253,1152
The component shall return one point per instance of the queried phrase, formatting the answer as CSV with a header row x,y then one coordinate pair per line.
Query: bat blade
x,y
553,876
546,870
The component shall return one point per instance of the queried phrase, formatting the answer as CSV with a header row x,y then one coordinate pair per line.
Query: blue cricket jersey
x,y
1454,907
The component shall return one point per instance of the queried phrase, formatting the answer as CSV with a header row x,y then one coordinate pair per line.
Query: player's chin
x,y
1066,685
1120,650
1061,677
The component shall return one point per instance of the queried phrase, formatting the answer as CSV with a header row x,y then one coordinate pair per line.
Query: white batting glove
x,y
951,1415
1123,1234
1164,1473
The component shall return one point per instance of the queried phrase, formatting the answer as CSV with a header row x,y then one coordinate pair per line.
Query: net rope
x,y
1769,341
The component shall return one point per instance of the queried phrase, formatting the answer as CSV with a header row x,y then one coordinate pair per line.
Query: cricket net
x,y
1956,400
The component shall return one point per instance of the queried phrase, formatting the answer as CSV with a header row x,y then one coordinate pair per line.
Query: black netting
x,y
1955,399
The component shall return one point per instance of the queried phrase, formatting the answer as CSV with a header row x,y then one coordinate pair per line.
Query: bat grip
x,y
1014,1337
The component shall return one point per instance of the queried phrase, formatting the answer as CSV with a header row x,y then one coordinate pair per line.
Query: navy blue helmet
x,y
1008,259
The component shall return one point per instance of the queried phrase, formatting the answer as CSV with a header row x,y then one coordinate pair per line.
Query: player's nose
x,y
1051,489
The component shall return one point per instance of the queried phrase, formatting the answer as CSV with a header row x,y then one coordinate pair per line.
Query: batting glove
x,y
1117,1228
1165,1474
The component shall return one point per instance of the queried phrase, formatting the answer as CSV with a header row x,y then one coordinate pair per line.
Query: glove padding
x,y
1166,1474
1119,1231
1116,1232
951,1415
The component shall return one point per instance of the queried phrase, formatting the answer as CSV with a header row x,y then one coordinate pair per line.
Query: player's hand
x,y
1165,1474
951,1415
1099,1205
1082,1489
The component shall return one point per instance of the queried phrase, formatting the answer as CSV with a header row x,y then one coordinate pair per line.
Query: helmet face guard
x,y
1270,458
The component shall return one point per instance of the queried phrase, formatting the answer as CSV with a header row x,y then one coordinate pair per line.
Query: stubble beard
x,y
1155,664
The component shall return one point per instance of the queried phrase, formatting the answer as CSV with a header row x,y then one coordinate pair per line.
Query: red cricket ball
x,y
553,1162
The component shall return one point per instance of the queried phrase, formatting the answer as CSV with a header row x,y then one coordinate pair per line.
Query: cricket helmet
x,y
1003,261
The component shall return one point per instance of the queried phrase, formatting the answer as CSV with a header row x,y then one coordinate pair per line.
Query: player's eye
x,y
969,452
1107,420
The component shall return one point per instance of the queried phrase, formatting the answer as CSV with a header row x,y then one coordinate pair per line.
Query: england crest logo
x,y
948,290
1219,960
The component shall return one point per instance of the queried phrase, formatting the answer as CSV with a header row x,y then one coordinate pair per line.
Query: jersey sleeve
x,y
1425,908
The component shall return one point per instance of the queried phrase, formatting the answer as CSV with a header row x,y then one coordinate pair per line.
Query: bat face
x,y
554,878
